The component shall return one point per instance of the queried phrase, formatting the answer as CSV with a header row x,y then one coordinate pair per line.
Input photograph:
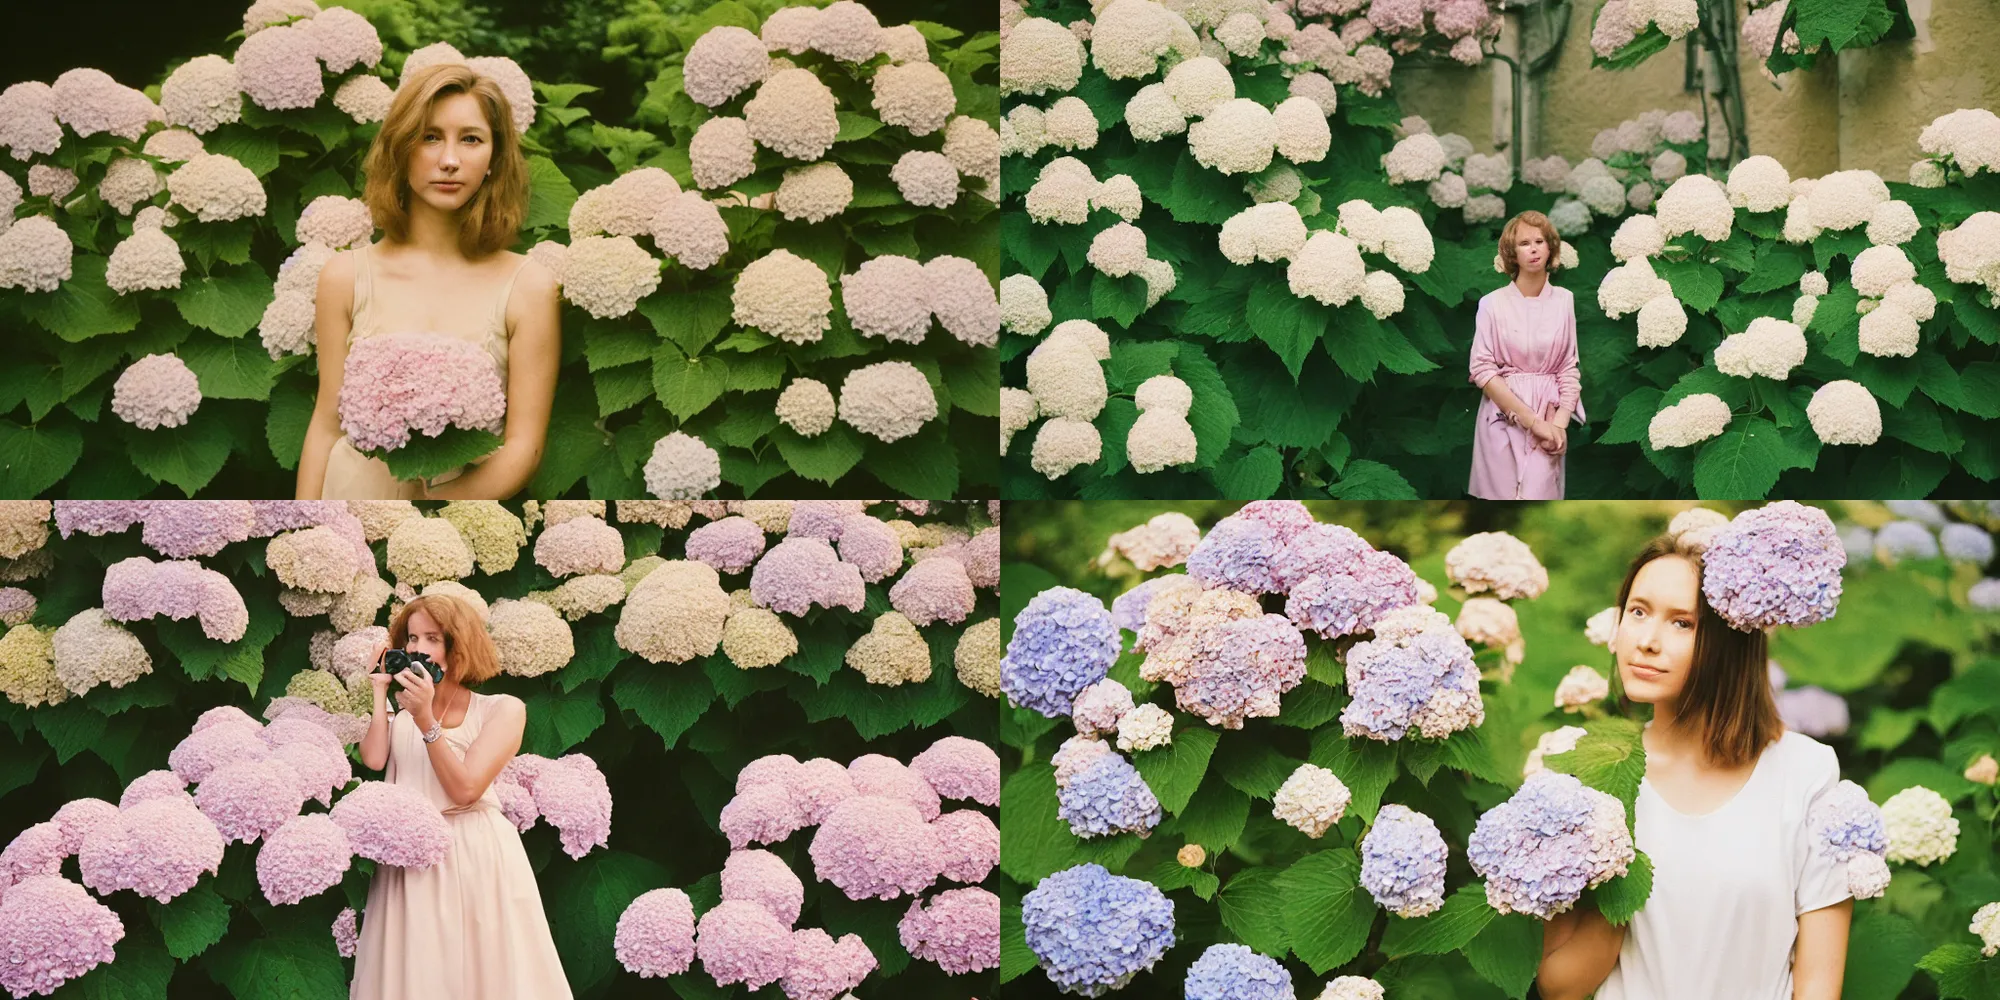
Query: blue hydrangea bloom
x,y
1776,565
1847,823
1899,540
1814,711
1092,931
1128,610
1859,543
1542,847
1926,511
1402,862
1234,972
1985,595
1393,683
1064,641
1967,543
1237,553
1108,797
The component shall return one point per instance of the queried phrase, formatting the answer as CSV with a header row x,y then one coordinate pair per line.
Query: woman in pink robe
x,y
1524,360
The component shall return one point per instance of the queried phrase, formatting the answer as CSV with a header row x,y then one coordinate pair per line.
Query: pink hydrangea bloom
x,y
871,546
655,935
800,572
161,784
204,751
571,792
322,769
402,382
741,942
875,847
936,589
970,843
304,857
817,786
393,825
89,101
158,848
345,934
779,769
876,774
28,125
183,529
248,799
763,878
731,545
279,68
959,768
37,850
580,545
760,814
821,518
53,932
343,39
823,968
78,817
959,929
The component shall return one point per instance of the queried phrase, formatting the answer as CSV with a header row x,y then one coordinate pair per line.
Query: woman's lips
x,y
1647,673
448,185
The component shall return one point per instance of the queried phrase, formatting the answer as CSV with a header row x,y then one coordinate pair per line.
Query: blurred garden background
x,y
1903,683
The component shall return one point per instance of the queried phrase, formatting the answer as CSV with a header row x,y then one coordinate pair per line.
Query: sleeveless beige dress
x,y
350,475
471,927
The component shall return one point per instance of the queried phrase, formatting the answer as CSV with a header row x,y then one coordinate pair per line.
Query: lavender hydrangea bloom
x,y
1108,798
731,545
1925,511
1332,603
1402,862
1318,549
1814,711
1776,565
1554,838
1859,543
1238,553
1242,670
800,572
1984,595
1966,543
1092,931
1064,641
98,517
1128,610
1426,680
1234,972
183,529
1899,540
1848,823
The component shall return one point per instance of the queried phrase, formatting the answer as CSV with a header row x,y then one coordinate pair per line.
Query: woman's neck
x,y
1668,737
1531,282
432,231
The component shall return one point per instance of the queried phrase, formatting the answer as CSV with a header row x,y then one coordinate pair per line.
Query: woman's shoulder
x,y
1807,758
502,702
532,277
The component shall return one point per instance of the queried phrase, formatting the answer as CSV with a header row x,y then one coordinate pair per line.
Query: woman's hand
x,y
416,696
1547,434
379,678
1556,438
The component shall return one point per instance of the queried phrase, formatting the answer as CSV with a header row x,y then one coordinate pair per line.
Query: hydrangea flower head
x,y
1402,862
1775,565
1064,641
1551,840
1092,931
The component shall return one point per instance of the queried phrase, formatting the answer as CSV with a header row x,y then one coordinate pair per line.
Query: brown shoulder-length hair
x,y
493,217
1513,229
472,655
1727,697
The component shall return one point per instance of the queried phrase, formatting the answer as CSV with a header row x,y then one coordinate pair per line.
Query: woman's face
x,y
453,153
1531,249
427,637
1654,644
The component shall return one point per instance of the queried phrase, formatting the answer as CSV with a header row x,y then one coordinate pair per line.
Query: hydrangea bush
x,y
1336,849
729,242
214,776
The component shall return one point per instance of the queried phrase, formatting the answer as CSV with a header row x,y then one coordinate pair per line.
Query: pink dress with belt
x,y
1530,342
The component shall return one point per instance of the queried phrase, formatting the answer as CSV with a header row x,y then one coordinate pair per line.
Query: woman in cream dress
x,y
470,927
447,185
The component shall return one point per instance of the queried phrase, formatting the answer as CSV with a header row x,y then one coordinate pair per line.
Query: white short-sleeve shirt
x,y
1729,885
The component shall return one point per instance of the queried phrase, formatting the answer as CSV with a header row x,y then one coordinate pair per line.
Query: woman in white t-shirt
x,y
1746,905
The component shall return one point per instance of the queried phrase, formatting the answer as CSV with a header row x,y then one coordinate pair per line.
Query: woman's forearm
x,y
451,772
501,475
375,743
1497,390
1581,960
312,461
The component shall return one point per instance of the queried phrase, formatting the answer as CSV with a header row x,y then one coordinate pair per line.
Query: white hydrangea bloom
x,y
1601,627
1382,294
1160,280
1418,157
1845,412
722,152
848,31
35,255
888,400
1070,124
815,192
1152,115
1449,191
1760,184
1017,410
1629,286
926,178
1238,137
608,275
1081,332
1662,321
784,295
1066,380
1920,825
1878,267
1062,192
1145,727
1603,196
1970,136
793,114
1570,217
1638,236
1119,195
888,297
1129,37
974,148
1241,33
127,182
916,96
1695,418
1846,198
1696,204
1272,231
1064,443
1582,686
1024,305
364,98
1769,347
1198,85
147,259
682,468
1327,269
1889,332
1554,743
806,406
1971,250
1160,439
1406,241
202,94
1118,250
690,229
1912,298
174,145
963,300
1039,56
216,188
1803,308
790,29
724,62
1311,800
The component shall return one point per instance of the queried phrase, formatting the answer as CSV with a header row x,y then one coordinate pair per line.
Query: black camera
x,y
396,661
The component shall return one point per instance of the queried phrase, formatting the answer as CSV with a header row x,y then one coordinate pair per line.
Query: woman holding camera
x,y
471,926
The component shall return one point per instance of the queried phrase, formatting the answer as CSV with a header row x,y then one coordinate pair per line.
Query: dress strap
x,y
364,289
507,293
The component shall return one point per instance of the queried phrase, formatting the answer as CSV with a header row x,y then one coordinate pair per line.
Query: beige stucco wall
x,y
1861,110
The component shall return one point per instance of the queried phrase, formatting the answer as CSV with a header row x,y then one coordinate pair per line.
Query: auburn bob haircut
x,y
469,650
1512,232
493,217
1727,698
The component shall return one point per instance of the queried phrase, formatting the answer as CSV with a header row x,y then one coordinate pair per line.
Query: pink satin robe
x,y
1530,342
